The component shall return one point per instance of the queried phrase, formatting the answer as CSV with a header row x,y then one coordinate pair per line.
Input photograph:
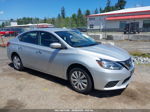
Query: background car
x,y
8,32
82,29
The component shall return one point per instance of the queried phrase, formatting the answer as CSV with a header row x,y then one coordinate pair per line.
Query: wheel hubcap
x,y
16,62
79,80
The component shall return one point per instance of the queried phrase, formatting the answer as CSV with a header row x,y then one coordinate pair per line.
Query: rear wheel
x,y
17,62
80,80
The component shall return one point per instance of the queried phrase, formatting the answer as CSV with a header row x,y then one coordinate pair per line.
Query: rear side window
x,y
47,39
30,37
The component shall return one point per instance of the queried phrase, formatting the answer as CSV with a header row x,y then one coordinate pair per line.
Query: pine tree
x,y
59,16
79,18
3,24
87,12
59,21
63,13
53,21
120,4
101,10
108,6
74,21
45,20
96,11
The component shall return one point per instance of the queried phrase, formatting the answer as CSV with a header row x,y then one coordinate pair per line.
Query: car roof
x,y
51,29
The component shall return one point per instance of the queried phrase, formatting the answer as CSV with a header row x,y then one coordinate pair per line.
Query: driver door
x,y
48,57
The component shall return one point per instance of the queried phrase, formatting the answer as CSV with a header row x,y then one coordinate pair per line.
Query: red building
x,y
117,20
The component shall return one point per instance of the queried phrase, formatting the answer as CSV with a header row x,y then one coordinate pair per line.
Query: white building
x,y
116,20
31,26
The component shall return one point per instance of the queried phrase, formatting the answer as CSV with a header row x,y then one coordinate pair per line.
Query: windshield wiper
x,y
93,44
88,45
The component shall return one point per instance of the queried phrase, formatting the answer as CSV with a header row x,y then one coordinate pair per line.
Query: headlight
x,y
111,65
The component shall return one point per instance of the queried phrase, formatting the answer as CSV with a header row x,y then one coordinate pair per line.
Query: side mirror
x,y
56,45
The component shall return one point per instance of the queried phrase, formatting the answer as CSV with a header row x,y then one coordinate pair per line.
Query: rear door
x,y
28,49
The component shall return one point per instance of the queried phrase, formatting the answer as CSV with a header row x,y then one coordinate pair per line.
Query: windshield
x,y
76,40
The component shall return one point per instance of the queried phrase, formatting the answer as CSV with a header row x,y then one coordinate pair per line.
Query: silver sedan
x,y
66,54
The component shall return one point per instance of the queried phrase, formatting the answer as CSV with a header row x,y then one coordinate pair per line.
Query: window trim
x,y
39,38
50,34
20,36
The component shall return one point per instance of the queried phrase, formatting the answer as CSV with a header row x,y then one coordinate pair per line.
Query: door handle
x,y
19,48
38,52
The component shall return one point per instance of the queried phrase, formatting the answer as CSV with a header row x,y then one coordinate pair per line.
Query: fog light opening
x,y
111,84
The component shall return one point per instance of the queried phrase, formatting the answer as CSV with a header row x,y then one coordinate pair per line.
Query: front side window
x,y
30,37
47,39
76,40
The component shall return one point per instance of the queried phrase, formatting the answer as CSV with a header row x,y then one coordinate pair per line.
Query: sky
x,y
50,8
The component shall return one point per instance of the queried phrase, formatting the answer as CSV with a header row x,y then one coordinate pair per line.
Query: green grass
x,y
140,54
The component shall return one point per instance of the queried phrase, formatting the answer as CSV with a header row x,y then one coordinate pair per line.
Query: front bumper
x,y
112,79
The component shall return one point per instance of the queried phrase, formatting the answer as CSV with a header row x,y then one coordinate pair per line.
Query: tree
x,y
96,11
87,12
63,13
36,20
79,17
45,20
67,22
74,21
108,6
59,16
120,4
53,21
81,20
11,20
3,24
59,21
101,10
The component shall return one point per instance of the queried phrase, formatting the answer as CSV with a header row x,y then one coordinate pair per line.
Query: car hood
x,y
106,52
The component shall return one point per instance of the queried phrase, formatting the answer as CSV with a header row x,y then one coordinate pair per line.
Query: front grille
x,y
127,64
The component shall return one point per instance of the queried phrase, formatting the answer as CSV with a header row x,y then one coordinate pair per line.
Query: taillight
x,y
8,43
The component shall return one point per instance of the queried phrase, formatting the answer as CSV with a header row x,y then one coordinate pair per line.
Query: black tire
x,y
18,67
89,83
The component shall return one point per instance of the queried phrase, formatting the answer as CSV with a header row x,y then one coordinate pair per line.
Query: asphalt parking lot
x,y
34,90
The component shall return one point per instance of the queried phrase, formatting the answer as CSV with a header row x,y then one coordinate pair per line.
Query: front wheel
x,y
17,63
80,80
